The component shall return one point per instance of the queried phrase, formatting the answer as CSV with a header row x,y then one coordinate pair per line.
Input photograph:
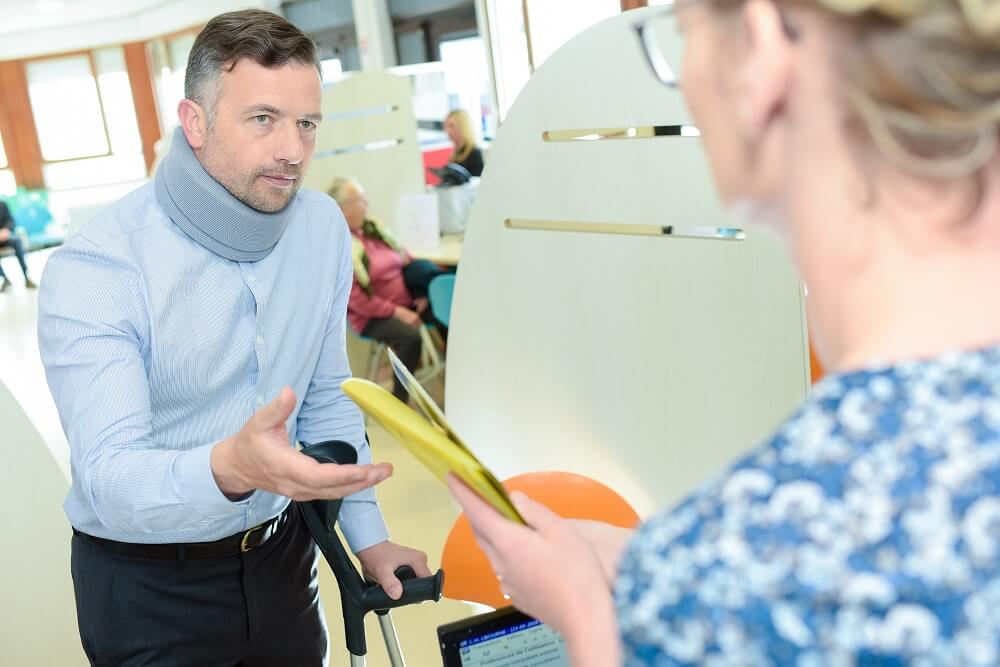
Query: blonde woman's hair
x,y
338,188
464,123
924,76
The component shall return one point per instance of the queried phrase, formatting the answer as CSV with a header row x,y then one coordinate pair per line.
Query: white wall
x,y
36,592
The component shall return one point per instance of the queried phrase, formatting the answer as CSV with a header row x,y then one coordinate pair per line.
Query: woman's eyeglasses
x,y
660,37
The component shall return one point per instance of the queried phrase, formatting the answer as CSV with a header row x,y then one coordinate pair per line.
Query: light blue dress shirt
x,y
155,349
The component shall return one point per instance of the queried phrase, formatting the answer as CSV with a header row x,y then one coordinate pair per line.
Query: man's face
x,y
263,134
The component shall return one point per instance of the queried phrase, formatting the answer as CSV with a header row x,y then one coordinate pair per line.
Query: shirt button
x,y
251,280
260,340
260,401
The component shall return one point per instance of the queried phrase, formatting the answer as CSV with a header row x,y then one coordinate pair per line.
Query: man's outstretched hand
x,y
259,457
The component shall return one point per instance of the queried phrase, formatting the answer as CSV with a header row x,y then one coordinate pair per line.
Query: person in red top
x,y
388,300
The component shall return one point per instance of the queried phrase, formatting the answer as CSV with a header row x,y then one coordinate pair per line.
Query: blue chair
x,y
440,292
30,210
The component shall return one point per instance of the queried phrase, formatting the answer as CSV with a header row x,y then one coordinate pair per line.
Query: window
x,y
169,59
85,118
67,108
467,81
7,184
550,24
509,44
333,70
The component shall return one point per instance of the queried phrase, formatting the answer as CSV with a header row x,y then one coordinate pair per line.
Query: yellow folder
x,y
429,437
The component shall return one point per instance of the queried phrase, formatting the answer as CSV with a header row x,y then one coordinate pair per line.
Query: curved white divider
x,y
369,132
36,591
646,362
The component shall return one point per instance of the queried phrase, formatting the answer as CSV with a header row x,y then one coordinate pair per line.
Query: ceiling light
x,y
49,6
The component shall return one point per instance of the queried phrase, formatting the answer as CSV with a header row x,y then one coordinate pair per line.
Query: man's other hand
x,y
380,562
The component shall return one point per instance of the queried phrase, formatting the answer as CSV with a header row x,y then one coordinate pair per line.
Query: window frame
x,y
92,63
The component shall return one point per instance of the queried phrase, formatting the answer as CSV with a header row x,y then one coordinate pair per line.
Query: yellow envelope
x,y
430,444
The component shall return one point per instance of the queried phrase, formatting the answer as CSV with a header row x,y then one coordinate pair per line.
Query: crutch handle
x,y
357,596
415,590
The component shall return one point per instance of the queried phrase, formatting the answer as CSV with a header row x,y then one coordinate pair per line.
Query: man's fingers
x,y
276,412
420,565
304,478
415,559
387,579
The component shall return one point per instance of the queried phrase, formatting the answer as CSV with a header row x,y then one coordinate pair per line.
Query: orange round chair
x,y
468,575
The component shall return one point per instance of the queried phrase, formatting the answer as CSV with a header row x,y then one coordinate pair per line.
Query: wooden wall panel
x,y
17,123
141,80
633,4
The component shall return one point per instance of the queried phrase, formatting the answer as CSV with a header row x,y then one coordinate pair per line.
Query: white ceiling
x,y
31,15
31,28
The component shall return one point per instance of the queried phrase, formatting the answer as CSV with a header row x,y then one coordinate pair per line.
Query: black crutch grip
x,y
415,590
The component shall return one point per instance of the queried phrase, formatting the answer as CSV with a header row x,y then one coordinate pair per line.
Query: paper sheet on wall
x,y
417,222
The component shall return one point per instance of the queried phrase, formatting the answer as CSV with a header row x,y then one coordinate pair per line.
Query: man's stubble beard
x,y
242,185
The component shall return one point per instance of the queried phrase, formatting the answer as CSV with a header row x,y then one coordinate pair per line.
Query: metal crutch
x,y
357,596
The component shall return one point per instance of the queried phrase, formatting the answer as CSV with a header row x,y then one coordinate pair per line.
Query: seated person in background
x,y
458,126
10,240
388,300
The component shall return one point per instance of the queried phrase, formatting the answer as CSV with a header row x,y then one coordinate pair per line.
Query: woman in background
x,y
458,126
384,304
866,530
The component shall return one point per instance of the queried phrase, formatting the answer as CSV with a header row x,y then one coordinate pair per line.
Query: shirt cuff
x,y
362,524
193,477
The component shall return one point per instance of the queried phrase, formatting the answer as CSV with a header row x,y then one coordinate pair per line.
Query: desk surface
x,y
448,252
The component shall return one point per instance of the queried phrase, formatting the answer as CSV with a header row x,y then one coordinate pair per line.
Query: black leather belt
x,y
233,545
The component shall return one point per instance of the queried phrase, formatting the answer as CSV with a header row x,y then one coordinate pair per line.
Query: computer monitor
x,y
504,638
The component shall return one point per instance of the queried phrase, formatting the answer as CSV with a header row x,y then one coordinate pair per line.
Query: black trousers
x,y
15,243
258,609
404,340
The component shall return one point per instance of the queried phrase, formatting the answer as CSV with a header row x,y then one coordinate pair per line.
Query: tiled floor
x,y
418,509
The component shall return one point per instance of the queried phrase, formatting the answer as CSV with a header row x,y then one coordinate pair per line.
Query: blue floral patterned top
x,y
866,531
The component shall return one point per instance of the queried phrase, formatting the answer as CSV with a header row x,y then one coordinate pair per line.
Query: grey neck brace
x,y
209,213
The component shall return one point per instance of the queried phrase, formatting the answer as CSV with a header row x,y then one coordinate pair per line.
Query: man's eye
x,y
307,125
262,119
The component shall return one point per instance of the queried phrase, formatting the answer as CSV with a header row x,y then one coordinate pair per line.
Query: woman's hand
x,y
421,304
407,316
550,571
607,541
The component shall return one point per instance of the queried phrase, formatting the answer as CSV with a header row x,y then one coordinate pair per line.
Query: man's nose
x,y
289,146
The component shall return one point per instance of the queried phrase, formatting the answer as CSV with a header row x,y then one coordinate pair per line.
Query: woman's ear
x,y
765,72
194,122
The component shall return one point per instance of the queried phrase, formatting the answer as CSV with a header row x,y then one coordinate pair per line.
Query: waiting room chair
x,y
470,577
431,364
31,213
440,293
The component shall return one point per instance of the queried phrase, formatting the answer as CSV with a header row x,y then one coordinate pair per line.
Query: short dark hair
x,y
264,37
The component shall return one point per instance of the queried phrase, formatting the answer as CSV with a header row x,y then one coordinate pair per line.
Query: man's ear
x,y
765,73
194,122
